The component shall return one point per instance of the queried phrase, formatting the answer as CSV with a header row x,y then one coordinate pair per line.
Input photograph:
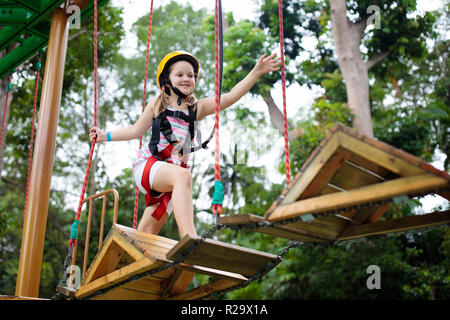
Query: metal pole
x,y
29,271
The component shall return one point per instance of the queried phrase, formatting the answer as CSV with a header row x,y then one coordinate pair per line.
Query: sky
x,y
242,9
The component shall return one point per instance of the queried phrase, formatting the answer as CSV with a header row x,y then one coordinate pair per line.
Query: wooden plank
x,y
217,274
310,171
146,237
140,266
98,258
365,213
379,212
383,157
134,252
296,232
329,188
371,166
240,219
178,283
202,291
98,268
148,284
397,153
328,227
324,175
105,261
6,297
153,246
351,176
219,255
121,293
396,225
380,191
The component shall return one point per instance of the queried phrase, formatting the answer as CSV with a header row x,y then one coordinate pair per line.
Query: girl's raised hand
x,y
97,134
267,64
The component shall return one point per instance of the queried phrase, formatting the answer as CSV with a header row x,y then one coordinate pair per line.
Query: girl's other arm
x,y
262,66
134,131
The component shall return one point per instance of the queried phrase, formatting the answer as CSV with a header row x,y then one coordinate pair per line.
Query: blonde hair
x,y
162,102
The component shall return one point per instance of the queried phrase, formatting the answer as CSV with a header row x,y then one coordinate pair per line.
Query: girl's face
x,y
182,76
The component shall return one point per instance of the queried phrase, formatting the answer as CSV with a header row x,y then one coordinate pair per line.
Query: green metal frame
x,y
27,22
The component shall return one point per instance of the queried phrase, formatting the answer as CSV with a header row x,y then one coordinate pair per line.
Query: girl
x,y
160,169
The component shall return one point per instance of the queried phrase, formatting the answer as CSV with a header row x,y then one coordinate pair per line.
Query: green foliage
x,y
409,99
411,268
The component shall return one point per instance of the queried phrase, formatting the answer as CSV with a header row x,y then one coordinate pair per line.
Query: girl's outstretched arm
x,y
134,131
264,65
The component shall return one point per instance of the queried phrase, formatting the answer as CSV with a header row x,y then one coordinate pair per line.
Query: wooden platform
x,y
3,297
122,267
345,187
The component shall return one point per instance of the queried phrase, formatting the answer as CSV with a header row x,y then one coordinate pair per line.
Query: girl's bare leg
x,y
149,224
178,180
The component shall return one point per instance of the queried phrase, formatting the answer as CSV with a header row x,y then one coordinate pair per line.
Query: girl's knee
x,y
184,177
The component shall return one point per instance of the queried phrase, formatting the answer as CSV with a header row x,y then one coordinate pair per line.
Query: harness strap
x,y
152,197
149,198
161,124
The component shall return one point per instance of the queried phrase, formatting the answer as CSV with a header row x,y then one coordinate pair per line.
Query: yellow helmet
x,y
172,57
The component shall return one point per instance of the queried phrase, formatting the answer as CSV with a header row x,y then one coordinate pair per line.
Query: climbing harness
x,y
162,125
152,197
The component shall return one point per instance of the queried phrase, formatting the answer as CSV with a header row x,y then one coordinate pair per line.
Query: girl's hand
x,y
97,134
267,64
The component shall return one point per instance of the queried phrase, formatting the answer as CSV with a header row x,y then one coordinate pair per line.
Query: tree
x,y
381,49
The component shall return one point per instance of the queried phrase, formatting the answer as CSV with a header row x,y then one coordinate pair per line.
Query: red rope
x,y
217,209
136,195
73,242
95,63
30,154
5,110
283,82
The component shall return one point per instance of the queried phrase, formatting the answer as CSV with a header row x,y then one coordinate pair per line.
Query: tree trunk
x,y
347,39
276,118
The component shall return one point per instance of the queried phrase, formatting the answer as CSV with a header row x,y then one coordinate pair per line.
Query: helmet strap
x,y
180,94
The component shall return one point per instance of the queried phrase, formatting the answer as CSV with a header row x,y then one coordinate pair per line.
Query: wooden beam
x,y
396,225
311,171
199,292
153,246
105,261
32,247
121,293
140,266
216,274
326,173
286,231
178,283
219,255
351,176
20,298
380,191
383,155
